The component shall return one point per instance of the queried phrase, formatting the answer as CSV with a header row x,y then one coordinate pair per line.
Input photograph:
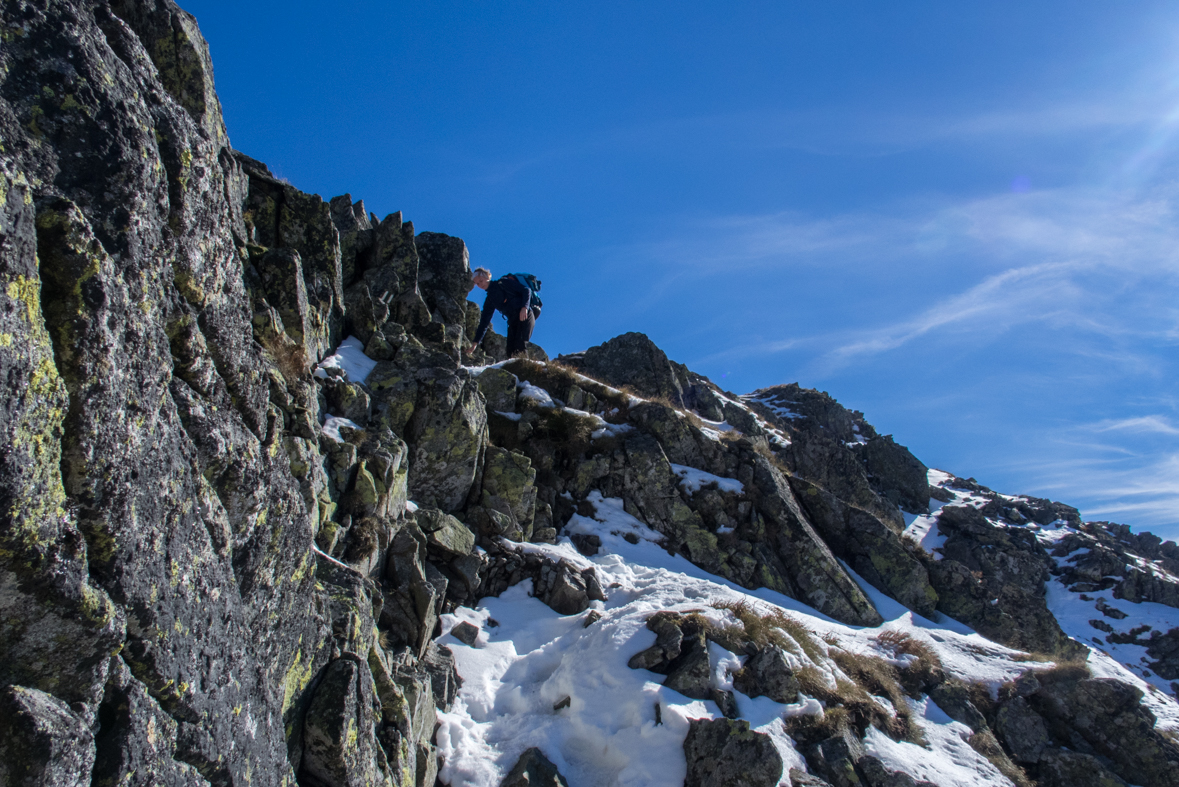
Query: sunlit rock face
x,y
250,482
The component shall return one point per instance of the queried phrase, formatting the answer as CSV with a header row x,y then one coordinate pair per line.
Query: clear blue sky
x,y
959,218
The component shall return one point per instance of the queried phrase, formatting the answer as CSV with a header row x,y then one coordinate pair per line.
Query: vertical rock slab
x,y
339,736
279,216
447,435
806,560
57,628
143,420
444,276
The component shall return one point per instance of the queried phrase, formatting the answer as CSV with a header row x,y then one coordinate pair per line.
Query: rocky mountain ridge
x,y
246,476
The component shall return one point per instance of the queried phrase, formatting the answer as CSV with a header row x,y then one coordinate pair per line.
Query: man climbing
x,y
512,295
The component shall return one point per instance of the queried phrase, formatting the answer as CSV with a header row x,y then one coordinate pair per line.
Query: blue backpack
x,y
533,284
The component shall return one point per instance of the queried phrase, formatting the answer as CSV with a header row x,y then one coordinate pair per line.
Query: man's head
x,y
481,277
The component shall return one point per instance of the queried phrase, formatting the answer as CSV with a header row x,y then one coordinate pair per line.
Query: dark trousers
x,y
519,332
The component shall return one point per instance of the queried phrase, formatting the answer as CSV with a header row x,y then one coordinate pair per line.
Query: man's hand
x,y
470,350
523,315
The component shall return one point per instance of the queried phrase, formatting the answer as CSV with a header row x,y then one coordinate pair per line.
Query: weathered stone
x,y
1008,604
768,674
726,753
509,486
1023,730
632,359
1064,768
896,474
412,607
803,779
1106,716
533,769
444,275
465,633
445,535
835,759
438,662
339,736
953,697
42,742
498,387
447,435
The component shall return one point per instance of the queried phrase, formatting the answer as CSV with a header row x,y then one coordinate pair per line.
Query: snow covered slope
x,y
534,678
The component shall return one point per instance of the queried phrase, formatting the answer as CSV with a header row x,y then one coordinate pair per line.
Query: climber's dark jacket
x,y
506,295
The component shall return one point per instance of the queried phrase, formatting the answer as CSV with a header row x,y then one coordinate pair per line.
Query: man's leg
x,y
519,332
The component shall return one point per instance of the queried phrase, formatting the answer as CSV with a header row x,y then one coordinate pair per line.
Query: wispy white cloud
x,y
1081,261
1151,424
1146,490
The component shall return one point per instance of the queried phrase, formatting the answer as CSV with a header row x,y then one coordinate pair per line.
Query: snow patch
x,y
693,480
349,358
333,423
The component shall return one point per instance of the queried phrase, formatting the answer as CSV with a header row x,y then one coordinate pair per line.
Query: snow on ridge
x,y
693,480
536,394
1076,612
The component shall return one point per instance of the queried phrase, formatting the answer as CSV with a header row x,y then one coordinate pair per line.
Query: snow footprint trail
x,y
533,658
532,661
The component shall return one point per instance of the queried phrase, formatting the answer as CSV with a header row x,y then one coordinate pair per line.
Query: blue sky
x,y
957,218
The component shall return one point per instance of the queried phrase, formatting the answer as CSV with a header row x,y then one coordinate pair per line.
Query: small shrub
x,y
809,730
572,432
362,538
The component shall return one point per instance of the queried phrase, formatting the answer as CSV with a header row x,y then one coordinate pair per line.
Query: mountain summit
x,y
262,526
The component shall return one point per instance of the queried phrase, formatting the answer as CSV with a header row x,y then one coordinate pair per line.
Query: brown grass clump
x,y
988,746
874,676
558,379
362,538
926,669
288,356
1063,671
570,431
768,629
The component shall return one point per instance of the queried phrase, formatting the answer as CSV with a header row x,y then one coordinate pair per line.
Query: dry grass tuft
x,y
1063,671
558,379
926,668
362,539
774,628
988,746
876,677
288,356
